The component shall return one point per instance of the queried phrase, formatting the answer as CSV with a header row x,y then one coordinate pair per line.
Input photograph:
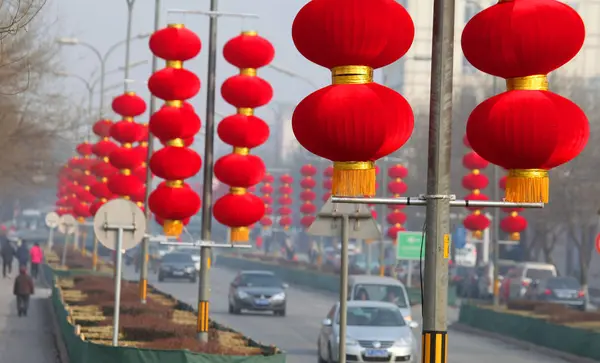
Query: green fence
x,y
309,278
580,342
81,351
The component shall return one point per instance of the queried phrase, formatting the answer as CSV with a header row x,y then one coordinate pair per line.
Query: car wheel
x,y
193,280
319,356
329,355
235,310
279,312
230,309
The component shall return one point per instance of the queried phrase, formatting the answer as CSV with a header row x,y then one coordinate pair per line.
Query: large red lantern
x,y
475,182
267,191
396,186
308,208
354,121
173,202
240,209
285,200
527,129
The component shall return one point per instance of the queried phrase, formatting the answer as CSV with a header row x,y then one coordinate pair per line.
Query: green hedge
x,y
309,278
81,351
580,342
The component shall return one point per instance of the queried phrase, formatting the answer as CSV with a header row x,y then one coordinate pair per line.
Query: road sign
x,y
408,246
597,243
67,224
459,237
363,225
119,213
52,220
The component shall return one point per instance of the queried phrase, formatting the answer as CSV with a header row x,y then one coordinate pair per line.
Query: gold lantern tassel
x,y
240,234
515,236
527,186
353,179
172,228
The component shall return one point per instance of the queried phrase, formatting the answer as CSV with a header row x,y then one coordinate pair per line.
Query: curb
x,y
59,344
521,344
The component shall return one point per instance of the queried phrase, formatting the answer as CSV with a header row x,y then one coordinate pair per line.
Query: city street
x,y
297,332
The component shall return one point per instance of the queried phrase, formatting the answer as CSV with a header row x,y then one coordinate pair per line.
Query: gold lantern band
x,y
351,75
127,145
241,150
174,183
530,83
250,72
176,26
104,180
106,159
477,234
175,143
144,144
527,186
174,103
515,236
353,179
172,228
177,64
514,214
245,111
250,33
128,118
125,171
87,188
237,191
240,234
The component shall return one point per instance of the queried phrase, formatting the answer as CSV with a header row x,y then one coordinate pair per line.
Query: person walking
x,y
8,254
23,289
23,255
36,256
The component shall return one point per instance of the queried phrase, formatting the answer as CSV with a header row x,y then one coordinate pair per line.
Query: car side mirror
x,y
327,322
285,286
413,324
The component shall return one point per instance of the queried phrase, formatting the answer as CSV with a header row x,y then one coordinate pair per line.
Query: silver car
x,y
376,332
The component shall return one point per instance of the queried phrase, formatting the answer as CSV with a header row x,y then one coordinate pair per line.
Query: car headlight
x,y
189,269
349,341
242,294
278,297
403,342
408,318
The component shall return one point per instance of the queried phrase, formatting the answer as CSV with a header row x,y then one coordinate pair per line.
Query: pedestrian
x,y
23,289
23,255
8,253
36,255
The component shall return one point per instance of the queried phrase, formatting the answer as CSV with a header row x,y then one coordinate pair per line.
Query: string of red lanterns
x,y
84,179
358,121
475,181
514,223
308,196
327,182
267,191
175,124
396,186
63,202
101,168
527,129
285,201
243,131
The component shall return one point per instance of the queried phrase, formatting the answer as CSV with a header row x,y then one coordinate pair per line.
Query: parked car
x,y
526,272
176,265
376,332
486,277
380,288
559,290
257,291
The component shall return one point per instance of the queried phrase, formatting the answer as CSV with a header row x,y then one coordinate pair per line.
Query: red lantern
x,y
266,191
475,181
285,199
307,221
476,222
243,131
396,187
397,171
358,121
175,124
473,161
514,224
528,129
307,195
102,128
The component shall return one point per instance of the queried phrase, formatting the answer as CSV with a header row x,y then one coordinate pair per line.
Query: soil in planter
x,y
212,347
147,328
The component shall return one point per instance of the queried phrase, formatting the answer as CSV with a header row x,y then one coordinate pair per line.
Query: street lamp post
x,y
89,86
130,4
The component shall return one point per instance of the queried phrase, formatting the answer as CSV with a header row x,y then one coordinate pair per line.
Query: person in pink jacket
x,y
36,257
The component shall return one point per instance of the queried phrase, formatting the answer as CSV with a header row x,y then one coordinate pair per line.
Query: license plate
x,y
376,353
262,302
177,273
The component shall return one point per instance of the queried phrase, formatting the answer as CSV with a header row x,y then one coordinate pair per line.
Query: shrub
x,y
147,328
135,308
212,347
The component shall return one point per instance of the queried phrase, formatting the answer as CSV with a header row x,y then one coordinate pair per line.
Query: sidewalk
x,y
30,338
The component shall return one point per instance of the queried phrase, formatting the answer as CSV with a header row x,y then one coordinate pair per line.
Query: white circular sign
x,y
52,220
119,213
67,224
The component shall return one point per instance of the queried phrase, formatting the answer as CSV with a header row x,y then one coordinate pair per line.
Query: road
x,y
297,332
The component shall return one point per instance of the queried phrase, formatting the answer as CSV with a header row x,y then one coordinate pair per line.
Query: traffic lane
x,y
295,333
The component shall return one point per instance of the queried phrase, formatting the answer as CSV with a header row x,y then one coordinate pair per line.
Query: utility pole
x,y
496,225
146,242
130,4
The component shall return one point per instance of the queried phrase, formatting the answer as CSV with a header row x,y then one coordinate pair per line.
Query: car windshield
x,y
260,280
177,258
563,283
373,316
377,292
538,273
189,251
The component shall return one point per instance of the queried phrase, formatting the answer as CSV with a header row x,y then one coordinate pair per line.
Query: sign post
x,y
66,226
347,221
410,247
119,225
52,220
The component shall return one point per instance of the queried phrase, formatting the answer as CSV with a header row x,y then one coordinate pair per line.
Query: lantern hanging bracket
x,y
422,201
437,197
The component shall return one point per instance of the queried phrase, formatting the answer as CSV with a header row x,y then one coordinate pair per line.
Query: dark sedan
x,y
178,266
559,290
257,291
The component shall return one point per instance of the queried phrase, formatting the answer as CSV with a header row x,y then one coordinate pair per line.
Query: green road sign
x,y
408,246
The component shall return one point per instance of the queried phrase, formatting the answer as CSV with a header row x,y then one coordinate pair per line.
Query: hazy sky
x,y
103,23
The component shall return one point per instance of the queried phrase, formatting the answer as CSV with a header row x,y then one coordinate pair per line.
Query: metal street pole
x,y
384,182
496,225
130,4
209,138
145,242
343,288
437,239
